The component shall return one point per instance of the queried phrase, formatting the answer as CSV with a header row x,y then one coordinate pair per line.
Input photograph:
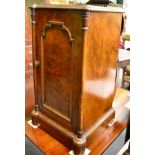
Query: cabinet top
x,y
79,7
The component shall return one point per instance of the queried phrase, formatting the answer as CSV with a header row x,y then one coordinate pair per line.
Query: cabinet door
x,y
56,68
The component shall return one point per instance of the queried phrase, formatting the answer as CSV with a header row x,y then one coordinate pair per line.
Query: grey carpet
x,y
31,149
116,145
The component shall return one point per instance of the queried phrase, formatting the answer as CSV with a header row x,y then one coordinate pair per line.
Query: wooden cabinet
x,y
75,49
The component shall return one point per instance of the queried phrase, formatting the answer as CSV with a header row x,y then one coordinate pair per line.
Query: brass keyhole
x,y
36,63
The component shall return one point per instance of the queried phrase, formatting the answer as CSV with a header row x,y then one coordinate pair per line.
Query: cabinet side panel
x,y
100,65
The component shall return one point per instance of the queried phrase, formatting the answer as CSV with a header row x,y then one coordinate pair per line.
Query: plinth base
x,y
69,138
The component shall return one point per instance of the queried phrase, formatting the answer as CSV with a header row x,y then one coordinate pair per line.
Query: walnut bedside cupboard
x,y
75,50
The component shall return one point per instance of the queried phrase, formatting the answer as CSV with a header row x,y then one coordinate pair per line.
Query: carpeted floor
x,y
31,149
116,145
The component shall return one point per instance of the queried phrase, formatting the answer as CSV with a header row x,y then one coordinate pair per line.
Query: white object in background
x,y
123,54
127,105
